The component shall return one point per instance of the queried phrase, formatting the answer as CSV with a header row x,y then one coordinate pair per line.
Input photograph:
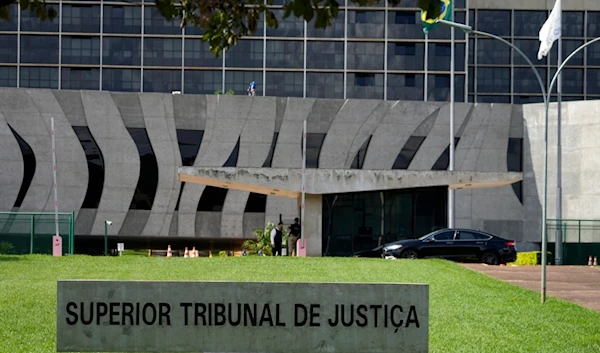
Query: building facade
x,y
374,52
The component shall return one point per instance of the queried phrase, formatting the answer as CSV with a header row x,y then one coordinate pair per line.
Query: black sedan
x,y
455,244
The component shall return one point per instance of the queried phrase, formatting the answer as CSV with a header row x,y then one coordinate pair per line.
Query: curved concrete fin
x,y
394,130
437,140
121,160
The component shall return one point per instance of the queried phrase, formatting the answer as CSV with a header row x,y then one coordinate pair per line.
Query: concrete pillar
x,y
313,223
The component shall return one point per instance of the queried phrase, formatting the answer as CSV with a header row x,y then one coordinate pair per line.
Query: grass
x,y
469,312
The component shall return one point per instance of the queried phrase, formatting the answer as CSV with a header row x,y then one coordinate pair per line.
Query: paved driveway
x,y
578,284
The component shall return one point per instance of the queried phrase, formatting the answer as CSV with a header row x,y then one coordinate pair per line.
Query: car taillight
x,y
510,243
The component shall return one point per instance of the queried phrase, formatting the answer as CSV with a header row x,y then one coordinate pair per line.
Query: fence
x,y
31,233
581,239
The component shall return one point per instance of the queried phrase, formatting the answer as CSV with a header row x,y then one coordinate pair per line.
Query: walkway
x,y
578,284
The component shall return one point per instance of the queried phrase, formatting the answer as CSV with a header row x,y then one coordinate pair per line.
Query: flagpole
x,y
558,251
425,85
451,164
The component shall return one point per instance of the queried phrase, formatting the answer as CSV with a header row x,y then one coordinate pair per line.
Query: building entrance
x,y
361,221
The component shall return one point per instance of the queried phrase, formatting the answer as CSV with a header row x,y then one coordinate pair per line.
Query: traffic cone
x,y
590,260
186,254
595,260
193,253
169,252
197,253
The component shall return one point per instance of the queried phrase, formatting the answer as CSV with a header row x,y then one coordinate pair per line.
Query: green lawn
x,y
469,312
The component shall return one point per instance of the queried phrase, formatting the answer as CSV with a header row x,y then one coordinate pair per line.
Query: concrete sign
x,y
270,317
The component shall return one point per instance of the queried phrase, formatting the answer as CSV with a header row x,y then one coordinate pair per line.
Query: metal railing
x,y
31,232
580,239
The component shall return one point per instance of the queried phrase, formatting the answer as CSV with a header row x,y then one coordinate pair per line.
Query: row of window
x,y
285,84
189,145
361,23
326,55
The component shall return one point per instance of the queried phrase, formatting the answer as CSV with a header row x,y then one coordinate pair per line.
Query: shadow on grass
x,y
5,258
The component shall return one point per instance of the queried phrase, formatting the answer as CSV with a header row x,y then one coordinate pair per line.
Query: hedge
x,y
531,258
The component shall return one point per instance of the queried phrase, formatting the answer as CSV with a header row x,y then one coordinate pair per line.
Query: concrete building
x,y
376,168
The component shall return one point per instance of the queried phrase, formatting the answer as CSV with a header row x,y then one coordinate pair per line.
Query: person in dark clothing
x,y
277,239
293,238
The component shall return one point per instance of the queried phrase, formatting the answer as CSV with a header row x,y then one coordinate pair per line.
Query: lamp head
x,y
109,222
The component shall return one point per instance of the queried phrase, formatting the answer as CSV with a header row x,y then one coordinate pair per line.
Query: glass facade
x,y
360,221
377,52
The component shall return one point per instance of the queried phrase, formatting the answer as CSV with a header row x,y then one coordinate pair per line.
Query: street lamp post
x,y
106,224
469,29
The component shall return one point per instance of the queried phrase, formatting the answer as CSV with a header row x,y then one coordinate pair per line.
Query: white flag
x,y
551,30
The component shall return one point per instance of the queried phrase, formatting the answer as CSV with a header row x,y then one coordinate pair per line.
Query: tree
x,y
226,21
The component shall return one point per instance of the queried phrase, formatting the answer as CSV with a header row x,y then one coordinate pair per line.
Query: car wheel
x,y
490,258
409,254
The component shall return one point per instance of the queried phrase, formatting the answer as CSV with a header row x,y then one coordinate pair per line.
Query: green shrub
x,y
6,248
530,258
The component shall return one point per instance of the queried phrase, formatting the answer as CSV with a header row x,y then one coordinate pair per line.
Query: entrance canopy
x,y
287,182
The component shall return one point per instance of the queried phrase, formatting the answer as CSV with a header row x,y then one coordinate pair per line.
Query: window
x,y
285,54
405,17
365,55
491,51
122,19
39,49
121,51
246,53
212,199
405,86
9,45
405,49
155,23
493,80
81,18
286,84
125,80
443,236
359,159
528,23
361,17
162,51
287,27
95,162
143,198
325,55
202,82
364,80
444,160
165,81
463,235
197,54
189,145
39,77
495,21
314,141
80,78
31,23
233,157
408,152
325,85
257,203
269,159
81,50
8,76
238,81
29,166
514,161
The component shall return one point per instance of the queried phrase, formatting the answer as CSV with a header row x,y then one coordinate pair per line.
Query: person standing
x,y
293,238
277,239
252,89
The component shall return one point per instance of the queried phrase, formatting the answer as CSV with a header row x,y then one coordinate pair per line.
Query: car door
x,y
467,244
440,245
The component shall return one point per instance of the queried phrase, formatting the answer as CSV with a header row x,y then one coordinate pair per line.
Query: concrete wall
x,y
580,165
484,130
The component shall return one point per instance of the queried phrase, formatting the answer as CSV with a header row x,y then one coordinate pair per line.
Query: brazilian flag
x,y
445,14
